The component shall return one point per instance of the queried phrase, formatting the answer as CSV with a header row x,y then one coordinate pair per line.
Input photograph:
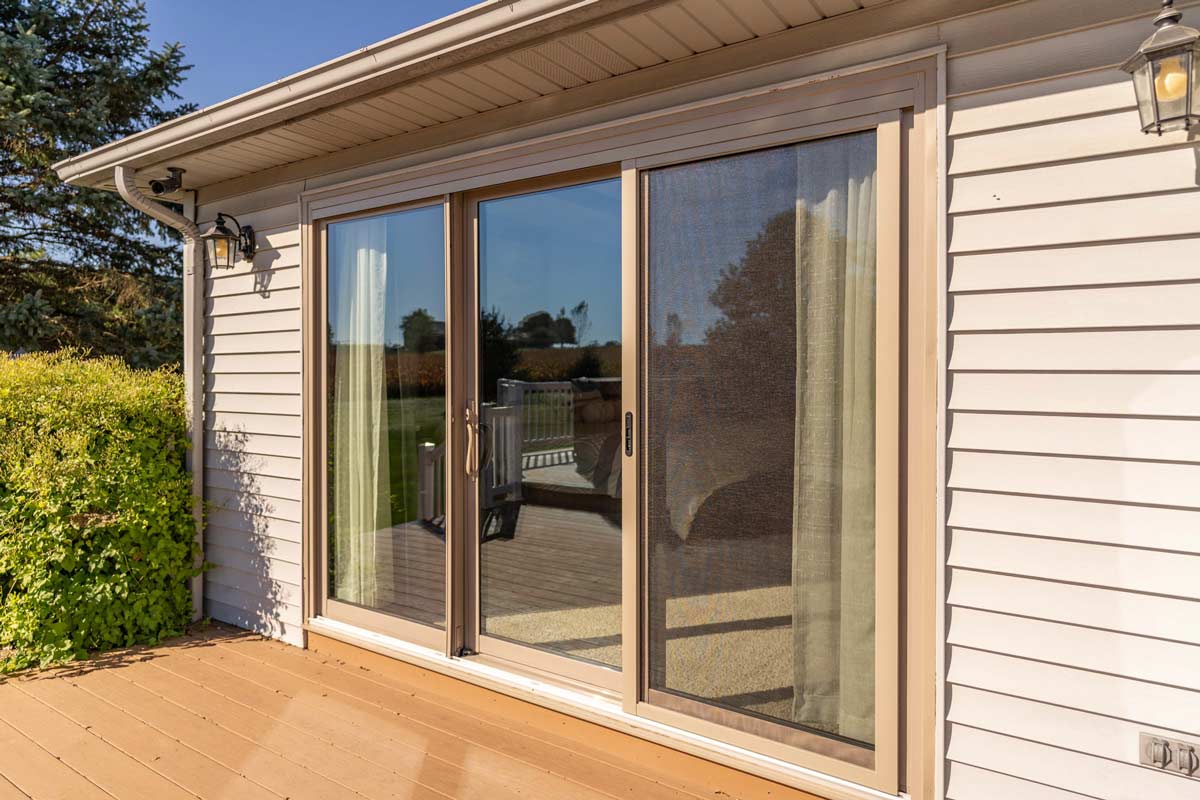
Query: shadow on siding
x,y
250,582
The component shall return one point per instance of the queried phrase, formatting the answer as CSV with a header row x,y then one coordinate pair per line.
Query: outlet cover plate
x,y
1169,755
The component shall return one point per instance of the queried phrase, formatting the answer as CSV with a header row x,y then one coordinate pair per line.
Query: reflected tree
x,y
579,319
757,329
499,352
422,333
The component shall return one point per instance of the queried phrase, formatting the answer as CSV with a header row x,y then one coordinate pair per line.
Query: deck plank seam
x,y
478,719
249,740
528,731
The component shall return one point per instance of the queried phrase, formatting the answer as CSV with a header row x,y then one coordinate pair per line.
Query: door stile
x,y
631,345
467,410
456,378
888,504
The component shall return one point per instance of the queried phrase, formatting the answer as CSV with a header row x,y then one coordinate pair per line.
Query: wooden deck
x,y
227,714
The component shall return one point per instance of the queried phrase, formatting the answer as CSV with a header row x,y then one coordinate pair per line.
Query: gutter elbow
x,y
134,197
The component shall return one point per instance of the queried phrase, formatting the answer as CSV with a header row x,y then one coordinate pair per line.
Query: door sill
x,y
594,705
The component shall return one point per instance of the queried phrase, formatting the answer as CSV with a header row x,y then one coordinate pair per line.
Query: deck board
x,y
116,773
10,792
35,772
380,737
474,730
190,769
194,729
226,714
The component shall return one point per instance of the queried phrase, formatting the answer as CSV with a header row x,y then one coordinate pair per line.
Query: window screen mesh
x,y
759,426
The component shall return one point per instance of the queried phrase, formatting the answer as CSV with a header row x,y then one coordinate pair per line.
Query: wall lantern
x,y
1166,74
222,246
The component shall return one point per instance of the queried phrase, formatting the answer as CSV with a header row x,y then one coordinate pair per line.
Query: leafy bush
x,y
96,527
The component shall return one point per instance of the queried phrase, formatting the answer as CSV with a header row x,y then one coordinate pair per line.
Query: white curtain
x,y
833,552
361,505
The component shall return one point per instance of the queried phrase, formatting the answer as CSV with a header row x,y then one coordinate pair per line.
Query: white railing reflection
x,y
431,481
547,411
500,475
531,426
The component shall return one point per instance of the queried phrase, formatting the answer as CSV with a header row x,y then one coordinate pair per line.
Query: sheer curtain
x,y
833,552
360,491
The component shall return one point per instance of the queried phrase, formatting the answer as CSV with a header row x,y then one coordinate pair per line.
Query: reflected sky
x,y
416,267
549,250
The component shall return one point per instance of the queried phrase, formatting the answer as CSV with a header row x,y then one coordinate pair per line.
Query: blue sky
x,y
546,251
235,47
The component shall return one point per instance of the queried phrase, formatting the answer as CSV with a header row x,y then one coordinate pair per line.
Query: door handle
x,y
479,449
472,468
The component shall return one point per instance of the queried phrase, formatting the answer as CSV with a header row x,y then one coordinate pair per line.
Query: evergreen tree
x,y
78,266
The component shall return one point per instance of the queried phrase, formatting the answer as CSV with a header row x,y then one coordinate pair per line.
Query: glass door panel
x,y
760,448
386,419
549,421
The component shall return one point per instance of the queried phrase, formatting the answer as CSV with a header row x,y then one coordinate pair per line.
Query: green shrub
x,y
96,527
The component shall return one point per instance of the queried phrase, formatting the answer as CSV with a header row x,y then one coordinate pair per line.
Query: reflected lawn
x,y
411,421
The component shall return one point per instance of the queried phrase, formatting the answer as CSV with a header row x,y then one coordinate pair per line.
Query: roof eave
x,y
483,29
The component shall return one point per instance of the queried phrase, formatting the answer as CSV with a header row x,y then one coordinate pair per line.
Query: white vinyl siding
x,y
253,446
1073,472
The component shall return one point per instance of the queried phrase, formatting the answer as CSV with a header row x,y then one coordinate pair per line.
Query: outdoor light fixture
x,y
1166,71
222,246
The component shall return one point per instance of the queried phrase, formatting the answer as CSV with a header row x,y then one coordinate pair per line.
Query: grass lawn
x,y
411,421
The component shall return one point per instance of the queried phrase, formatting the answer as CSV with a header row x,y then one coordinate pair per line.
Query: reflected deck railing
x,y
531,425
546,411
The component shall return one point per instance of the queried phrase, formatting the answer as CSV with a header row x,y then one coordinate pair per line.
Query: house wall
x,y
1073,537
1072,541
252,424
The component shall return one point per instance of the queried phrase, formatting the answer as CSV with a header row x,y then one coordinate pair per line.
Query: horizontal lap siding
x,y
253,431
1073,473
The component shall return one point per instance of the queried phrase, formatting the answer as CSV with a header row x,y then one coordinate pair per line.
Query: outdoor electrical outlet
x,y
1169,755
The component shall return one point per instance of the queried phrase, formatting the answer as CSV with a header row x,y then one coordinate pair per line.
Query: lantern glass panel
x,y
219,250
1171,75
1195,84
1143,89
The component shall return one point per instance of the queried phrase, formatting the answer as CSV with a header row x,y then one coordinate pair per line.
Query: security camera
x,y
169,184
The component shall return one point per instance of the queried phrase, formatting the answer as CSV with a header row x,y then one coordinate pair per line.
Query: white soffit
x,y
578,43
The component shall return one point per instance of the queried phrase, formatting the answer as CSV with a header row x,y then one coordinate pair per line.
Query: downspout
x,y
193,350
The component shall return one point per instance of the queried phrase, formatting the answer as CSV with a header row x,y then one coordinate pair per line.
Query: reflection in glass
x,y
760,426
386,423
550,402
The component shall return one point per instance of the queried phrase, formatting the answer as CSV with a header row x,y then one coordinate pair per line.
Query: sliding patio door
x,y
770,450
672,472
545,420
